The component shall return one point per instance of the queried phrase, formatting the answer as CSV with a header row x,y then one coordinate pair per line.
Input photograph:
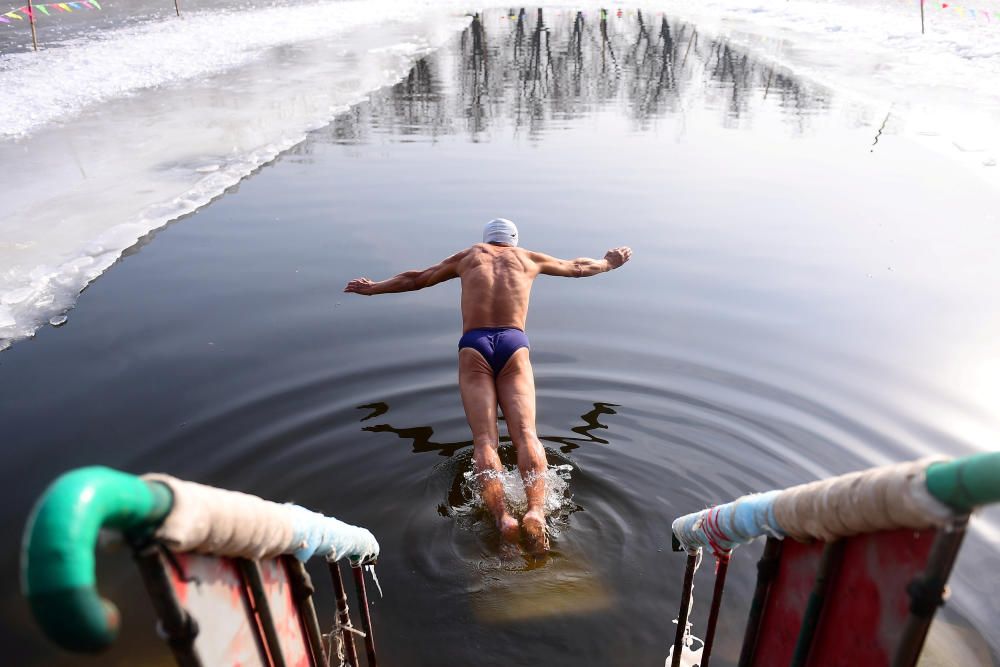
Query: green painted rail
x,y
58,566
966,483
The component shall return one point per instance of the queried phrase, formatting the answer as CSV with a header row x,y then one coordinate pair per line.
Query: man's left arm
x,y
409,281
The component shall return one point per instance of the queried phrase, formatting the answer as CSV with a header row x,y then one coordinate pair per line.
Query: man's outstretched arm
x,y
409,281
582,266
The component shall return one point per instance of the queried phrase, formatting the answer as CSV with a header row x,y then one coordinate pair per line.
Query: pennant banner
x,y
972,13
44,9
980,13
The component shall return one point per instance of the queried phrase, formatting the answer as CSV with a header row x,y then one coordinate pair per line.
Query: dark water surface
x,y
800,304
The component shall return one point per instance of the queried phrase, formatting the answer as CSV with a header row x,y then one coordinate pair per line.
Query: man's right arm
x,y
582,266
409,281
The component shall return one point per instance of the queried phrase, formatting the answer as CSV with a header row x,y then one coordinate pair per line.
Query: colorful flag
x,y
45,8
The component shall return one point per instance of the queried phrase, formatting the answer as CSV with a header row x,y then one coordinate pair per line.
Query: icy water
x,y
808,296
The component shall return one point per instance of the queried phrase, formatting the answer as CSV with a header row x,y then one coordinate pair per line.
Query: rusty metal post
x,y
767,569
682,615
829,566
31,20
927,592
175,624
250,569
713,615
343,614
366,620
302,592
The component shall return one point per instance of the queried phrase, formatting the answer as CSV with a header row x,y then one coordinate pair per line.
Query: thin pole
x,y
177,7
829,564
927,593
302,592
343,614
250,569
682,615
713,614
31,20
175,624
690,42
921,17
366,620
767,570
767,88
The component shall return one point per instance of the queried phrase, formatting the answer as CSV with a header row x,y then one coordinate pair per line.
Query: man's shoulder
x,y
487,250
462,258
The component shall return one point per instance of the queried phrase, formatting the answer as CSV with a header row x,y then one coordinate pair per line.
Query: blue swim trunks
x,y
496,344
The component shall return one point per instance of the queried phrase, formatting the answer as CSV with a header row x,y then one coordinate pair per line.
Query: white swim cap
x,y
500,230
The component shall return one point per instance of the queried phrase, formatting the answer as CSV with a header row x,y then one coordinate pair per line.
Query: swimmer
x,y
493,363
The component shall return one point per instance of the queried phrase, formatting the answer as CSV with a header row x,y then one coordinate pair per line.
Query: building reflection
x,y
538,70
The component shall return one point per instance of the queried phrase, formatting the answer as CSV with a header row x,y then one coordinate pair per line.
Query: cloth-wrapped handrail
x,y
919,494
57,565
229,523
723,527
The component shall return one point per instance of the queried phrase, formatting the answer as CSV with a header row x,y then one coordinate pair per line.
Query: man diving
x,y
493,364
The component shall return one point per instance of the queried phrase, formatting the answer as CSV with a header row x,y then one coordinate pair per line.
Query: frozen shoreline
x,y
109,149
938,89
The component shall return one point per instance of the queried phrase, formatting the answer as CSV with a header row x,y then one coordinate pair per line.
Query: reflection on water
x,y
422,436
542,69
755,341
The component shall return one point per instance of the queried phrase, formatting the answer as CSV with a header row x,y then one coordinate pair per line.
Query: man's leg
x,y
479,398
516,393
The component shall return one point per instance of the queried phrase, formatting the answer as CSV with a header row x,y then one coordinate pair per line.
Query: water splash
x,y
557,495
472,514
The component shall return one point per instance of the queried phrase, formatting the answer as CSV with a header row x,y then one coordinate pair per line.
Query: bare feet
x,y
509,529
536,536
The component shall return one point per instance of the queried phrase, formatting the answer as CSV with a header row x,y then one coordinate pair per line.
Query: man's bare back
x,y
496,287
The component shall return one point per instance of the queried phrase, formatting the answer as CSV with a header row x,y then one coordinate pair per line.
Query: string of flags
x,y
47,9
973,13
977,13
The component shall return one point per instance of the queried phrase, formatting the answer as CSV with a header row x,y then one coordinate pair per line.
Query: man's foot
x,y
536,535
509,529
